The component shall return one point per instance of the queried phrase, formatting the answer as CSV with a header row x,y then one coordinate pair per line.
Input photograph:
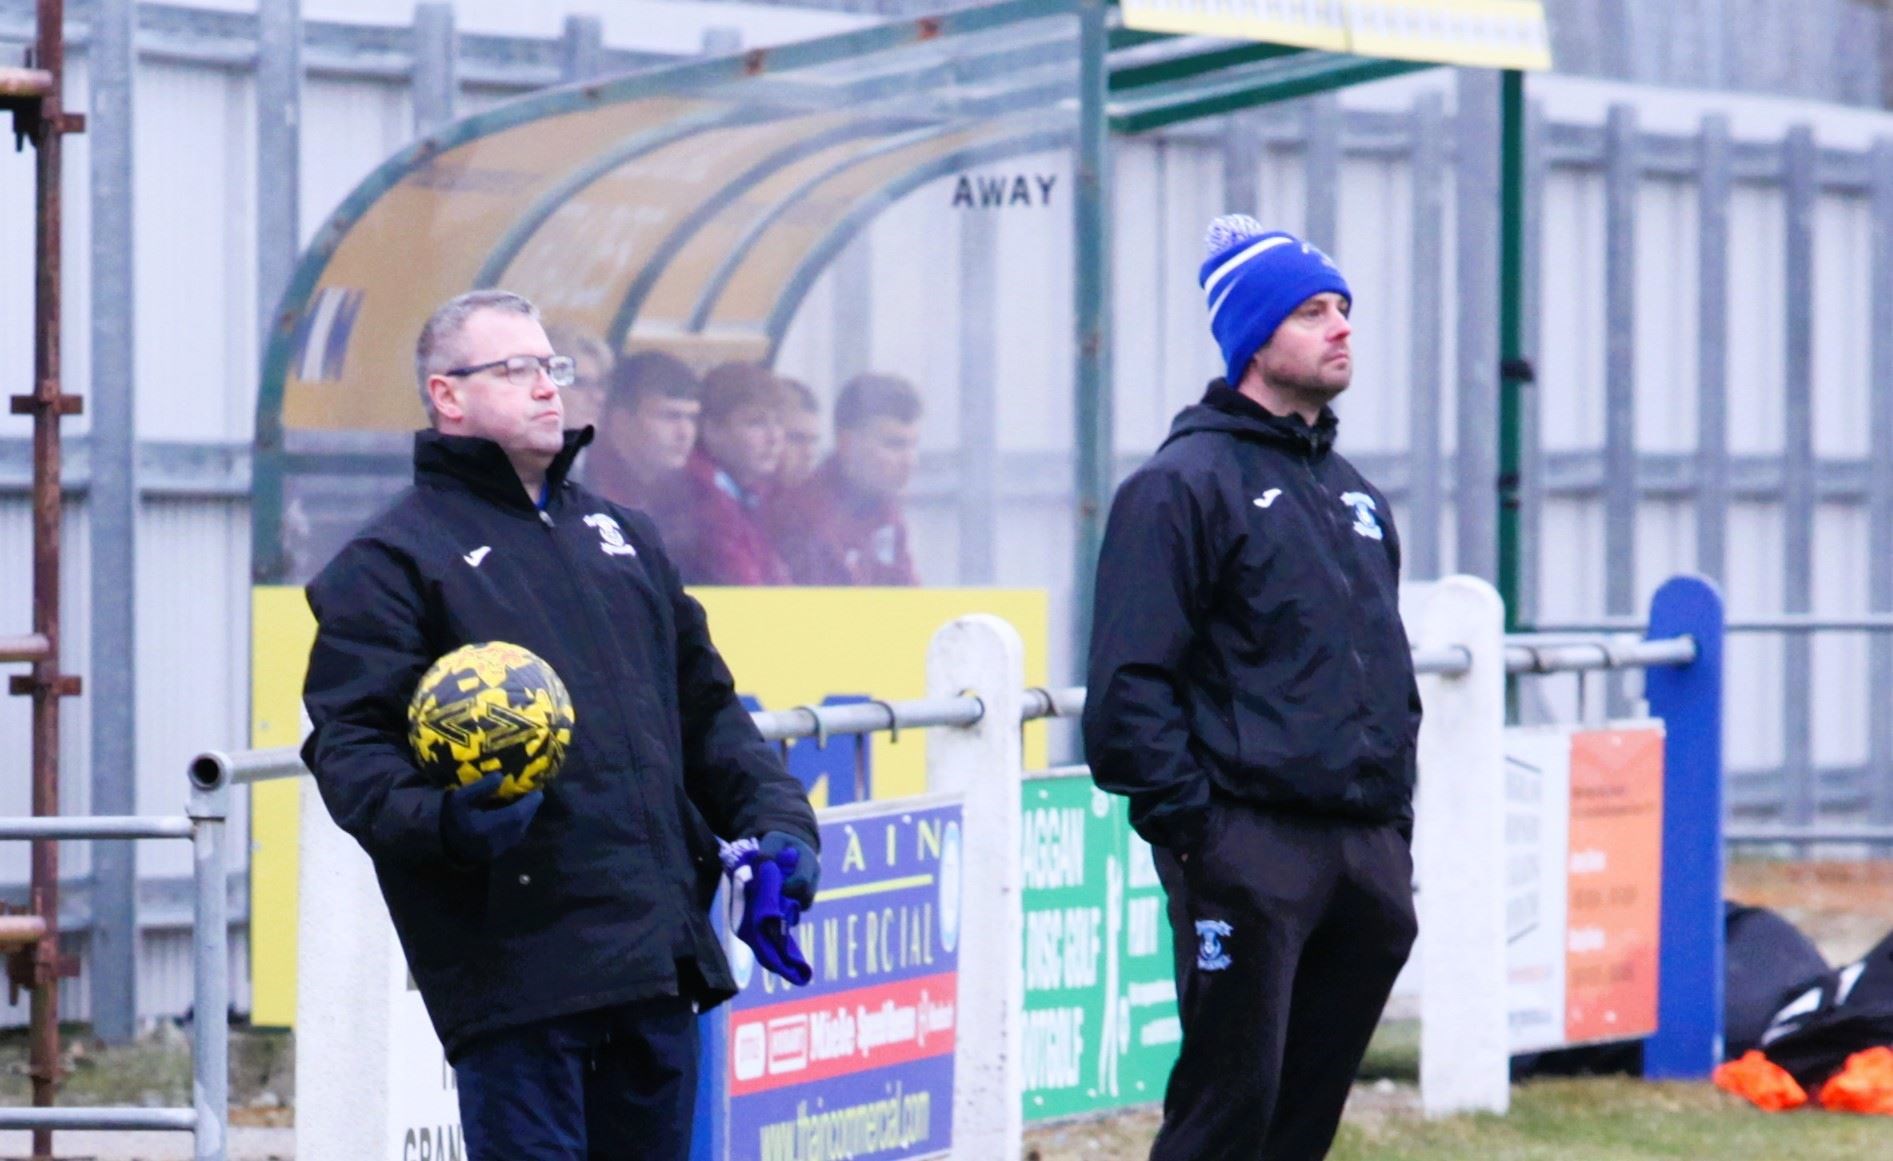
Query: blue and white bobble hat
x,y
1253,279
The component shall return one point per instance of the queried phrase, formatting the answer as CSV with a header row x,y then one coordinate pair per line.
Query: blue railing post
x,y
1688,1040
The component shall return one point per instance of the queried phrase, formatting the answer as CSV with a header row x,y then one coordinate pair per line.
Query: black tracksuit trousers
x,y
1289,931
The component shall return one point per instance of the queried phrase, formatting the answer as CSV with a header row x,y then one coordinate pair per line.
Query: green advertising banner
x,y
1100,999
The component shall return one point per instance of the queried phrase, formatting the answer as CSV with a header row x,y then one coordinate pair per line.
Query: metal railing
x,y
820,722
203,826
1784,625
1780,623
1530,653
1539,653
1524,654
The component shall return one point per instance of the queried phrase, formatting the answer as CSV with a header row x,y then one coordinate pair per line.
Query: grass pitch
x,y
1588,1119
1616,1119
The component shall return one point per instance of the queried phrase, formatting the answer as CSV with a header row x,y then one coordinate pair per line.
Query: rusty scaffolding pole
x,y
35,96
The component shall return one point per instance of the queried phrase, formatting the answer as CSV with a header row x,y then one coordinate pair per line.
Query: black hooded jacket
x,y
606,899
1246,640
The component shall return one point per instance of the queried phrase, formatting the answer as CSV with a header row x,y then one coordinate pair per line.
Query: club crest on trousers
x,y
1211,956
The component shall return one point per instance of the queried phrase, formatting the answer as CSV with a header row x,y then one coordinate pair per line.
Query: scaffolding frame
x,y
35,95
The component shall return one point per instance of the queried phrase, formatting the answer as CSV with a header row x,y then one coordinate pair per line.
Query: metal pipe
x,y
1450,661
19,930
1528,656
1053,703
45,1120
95,827
210,1050
1817,833
865,717
1781,623
247,766
46,685
26,647
25,84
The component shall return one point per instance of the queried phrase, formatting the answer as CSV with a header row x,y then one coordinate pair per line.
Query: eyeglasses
x,y
523,370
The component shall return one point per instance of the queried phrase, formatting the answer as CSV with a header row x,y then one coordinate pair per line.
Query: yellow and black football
x,y
491,708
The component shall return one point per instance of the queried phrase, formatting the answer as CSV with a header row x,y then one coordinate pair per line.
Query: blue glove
x,y
801,877
476,828
761,915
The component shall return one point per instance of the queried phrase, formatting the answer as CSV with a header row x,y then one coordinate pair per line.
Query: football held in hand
x,y
491,708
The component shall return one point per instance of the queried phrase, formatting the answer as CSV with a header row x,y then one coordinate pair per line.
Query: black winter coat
x,y
606,899
1246,640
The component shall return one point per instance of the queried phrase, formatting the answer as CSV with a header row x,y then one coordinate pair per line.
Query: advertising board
x,y
859,1063
1101,1025
1584,859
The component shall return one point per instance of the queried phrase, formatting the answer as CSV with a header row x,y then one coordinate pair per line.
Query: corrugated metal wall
x,y
976,306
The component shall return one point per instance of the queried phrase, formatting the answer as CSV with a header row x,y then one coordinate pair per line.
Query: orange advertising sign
x,y
1614,884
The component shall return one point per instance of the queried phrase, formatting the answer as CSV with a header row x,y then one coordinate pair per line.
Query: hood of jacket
x,y
482,466
1224,409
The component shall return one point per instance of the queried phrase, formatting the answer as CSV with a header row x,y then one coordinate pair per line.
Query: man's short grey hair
x,y
438,349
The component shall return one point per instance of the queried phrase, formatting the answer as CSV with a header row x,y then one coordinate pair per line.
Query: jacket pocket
x,y
1203,866
520,889
701,843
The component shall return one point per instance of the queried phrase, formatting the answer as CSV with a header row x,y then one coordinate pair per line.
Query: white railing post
x,y
343,945
369,1070
1460,854
983,656
343,941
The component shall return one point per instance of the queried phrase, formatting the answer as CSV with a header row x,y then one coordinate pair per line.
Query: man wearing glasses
x,y
561,941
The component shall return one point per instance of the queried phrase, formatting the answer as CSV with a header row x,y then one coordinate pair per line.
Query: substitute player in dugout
x,y
561,941
1252,692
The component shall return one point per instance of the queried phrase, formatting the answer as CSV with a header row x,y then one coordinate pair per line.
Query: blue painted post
x,y
1688,1040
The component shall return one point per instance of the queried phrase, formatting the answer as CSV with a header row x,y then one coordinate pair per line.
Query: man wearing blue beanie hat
x,y
1256,279
1251,691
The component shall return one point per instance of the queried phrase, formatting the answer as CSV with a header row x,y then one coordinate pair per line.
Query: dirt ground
x,y
1845,907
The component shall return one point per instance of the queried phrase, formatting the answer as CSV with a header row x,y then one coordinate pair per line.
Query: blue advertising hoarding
x,y
858,1064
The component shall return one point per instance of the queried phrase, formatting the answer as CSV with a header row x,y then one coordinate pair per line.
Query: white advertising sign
x,y
1508,34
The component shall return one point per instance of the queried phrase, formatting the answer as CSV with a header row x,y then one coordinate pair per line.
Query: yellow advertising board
x,y
787,647
1509,34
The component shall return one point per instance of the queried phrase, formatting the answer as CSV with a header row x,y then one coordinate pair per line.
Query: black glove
x,y
801,883
477,828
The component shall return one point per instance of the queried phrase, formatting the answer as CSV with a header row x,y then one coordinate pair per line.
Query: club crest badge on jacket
x,y
1365,522
611,535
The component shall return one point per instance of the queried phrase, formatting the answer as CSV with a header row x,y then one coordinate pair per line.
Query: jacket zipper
x,y
638,771
1338,545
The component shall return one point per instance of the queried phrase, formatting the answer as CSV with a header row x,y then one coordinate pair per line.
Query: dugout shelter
x,y
694,207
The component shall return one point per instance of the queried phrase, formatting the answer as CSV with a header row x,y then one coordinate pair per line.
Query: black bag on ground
x,y
1769,962
1849,1011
